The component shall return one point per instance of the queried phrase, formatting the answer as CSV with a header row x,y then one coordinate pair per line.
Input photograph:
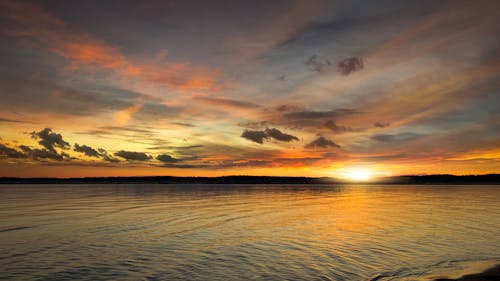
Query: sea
x,y
245,232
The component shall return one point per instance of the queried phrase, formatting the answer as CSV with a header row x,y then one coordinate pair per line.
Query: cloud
x,y
336,128
123,116
254,125
386,157
345,66
33,24
132,134
119,129
228,103
165,158
296,117
350,65
39,154
44,95
322,142
319,114
182,124
7,120
178,148
259,136
280,136
317,65
50,140
87,150
287,108
395,137
106,157
133,156
381,125
10,152
185,166
272,162
255,136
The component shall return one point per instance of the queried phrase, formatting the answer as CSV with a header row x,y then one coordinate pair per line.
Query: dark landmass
x,y
488,275
429,179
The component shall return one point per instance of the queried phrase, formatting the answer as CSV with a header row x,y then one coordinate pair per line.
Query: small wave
x,y
15,228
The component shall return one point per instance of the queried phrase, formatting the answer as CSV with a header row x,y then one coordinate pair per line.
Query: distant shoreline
x,y
493,179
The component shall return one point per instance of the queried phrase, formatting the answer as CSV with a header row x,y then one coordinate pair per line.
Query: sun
x,y
358,174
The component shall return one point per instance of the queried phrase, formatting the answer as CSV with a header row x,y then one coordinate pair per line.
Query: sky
x,y
284,88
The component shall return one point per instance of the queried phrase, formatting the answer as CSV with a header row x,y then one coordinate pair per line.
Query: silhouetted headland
x,y
427,179
490,274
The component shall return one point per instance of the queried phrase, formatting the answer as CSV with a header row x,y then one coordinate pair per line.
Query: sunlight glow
x,y
358,174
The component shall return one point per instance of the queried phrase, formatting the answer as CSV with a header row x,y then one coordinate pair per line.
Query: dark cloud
x,y
316,64
41,154
319,114
280,136
106,157
337,128
381,125
395,137
255,136
50,140
259,136
10,152
228,102
87,150
132,155
165,158
322,142
7,120
350,65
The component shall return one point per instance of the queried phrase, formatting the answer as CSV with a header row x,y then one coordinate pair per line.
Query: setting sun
x,y
358,174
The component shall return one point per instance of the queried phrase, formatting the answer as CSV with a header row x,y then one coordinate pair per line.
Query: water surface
x,y
244,232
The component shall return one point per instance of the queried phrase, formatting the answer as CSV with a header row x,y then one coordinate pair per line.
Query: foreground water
x,y
243,232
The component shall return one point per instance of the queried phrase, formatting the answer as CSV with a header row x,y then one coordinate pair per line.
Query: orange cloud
x,y
83,50
123,116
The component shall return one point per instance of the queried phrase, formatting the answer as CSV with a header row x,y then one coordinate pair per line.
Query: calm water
x,y
243,232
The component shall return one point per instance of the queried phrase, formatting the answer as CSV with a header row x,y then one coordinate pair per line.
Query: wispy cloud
x,y
83,50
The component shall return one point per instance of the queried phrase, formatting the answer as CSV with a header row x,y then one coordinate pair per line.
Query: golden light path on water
x,y
244,232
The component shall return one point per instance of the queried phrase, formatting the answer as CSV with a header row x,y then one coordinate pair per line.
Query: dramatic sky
x,y
312,88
